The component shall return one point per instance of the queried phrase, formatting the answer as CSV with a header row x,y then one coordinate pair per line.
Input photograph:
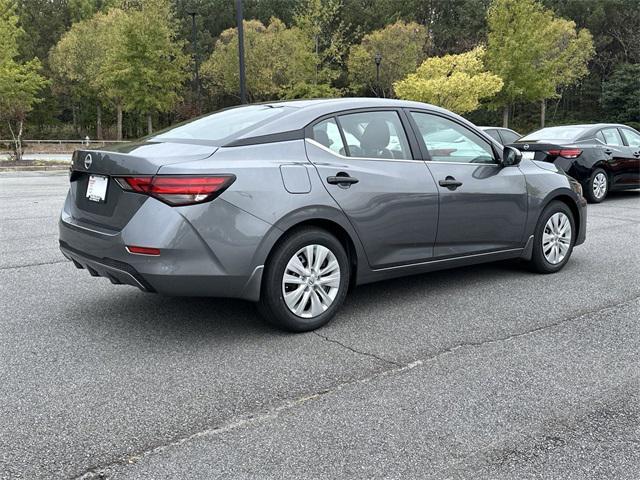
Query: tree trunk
x,y
74,119
19,150
543,112
98,122
119,122
17,141
149,124
505,116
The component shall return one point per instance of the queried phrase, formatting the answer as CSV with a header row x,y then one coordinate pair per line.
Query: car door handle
x,y
608,151
342,179
450,182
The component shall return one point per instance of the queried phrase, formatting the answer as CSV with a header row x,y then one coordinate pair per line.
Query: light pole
x,y
243,90
377,59
195,59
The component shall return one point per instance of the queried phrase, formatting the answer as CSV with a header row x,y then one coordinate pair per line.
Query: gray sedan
x,y
291,204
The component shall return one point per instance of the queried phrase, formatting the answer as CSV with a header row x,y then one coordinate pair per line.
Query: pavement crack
x,y
359,352
102,472
53,262
532,331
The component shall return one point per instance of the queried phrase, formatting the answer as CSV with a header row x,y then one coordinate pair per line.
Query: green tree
x,y
455,82
321,21
401,46
144,66
621,95
534,52
278,59
20,82
77,60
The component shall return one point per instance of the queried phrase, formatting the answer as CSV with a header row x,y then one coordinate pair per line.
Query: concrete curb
x,y
35,168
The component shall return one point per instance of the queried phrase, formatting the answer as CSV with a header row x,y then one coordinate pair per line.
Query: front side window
x,y
612,137
633,138
375,135
448,141
328,134
509,136
494,134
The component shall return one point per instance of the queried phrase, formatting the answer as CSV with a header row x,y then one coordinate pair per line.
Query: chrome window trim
x,y
344,157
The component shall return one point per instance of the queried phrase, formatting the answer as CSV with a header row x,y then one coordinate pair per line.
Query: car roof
x,y
303,112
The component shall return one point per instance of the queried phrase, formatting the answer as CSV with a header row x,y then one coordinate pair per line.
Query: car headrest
x,y
376,136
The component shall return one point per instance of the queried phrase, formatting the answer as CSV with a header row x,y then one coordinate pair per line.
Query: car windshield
x,y
556,133
223,124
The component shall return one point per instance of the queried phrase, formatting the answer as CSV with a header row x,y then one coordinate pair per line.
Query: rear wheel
x,y
598,186
554,238
305,281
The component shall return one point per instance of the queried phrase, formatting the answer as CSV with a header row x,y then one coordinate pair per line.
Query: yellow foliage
x,y
455,82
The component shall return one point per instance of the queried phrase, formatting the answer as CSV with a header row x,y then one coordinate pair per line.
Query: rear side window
x,y
633,138
375,135
494,134
447,141
612,136
328,134
224,124
508,136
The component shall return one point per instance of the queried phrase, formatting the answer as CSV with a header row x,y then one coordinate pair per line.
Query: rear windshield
x,y
223,124
556,133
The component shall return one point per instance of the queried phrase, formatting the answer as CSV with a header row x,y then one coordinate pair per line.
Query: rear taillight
x,y
143,250
178,190
565,152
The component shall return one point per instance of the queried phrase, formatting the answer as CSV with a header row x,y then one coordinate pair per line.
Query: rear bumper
x,y
119,273
194,260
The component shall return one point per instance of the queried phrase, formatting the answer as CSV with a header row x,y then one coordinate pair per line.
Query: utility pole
x,y
243,88
377,59
196,60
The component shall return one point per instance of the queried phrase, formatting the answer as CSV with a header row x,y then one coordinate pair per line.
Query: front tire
x,y
554,238
598,186
305,281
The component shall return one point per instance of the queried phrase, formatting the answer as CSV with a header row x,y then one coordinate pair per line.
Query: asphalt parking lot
x,y
488,372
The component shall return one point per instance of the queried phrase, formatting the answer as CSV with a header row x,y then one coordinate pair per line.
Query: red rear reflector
x,y
566,152
143,250
178,190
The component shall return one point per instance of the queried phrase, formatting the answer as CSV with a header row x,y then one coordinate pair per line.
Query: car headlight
x,y
575,186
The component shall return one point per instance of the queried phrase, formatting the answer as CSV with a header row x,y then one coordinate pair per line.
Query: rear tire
x,y
554,238
317,272
598,186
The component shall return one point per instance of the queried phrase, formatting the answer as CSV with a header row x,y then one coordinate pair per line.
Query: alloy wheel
x,y
599,185
556,238
311,281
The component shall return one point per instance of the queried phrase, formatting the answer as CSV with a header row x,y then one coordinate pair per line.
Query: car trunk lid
x,y
546,150
117,207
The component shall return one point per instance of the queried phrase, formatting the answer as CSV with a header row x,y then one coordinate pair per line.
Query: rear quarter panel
x,y
546,182
264,192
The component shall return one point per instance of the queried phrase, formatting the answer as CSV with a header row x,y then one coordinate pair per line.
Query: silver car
x,y
291,204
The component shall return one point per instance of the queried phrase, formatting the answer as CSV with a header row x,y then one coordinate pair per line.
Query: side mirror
x,y
511,156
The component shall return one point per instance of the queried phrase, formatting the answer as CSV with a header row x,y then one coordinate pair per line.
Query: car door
x,y
632,163
366,163
483,206
617,156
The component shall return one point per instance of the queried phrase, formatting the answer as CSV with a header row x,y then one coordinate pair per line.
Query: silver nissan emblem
x,y
88,161
526,146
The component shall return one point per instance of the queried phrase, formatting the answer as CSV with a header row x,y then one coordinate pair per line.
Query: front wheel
x,y
306,280
553,239
598,186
